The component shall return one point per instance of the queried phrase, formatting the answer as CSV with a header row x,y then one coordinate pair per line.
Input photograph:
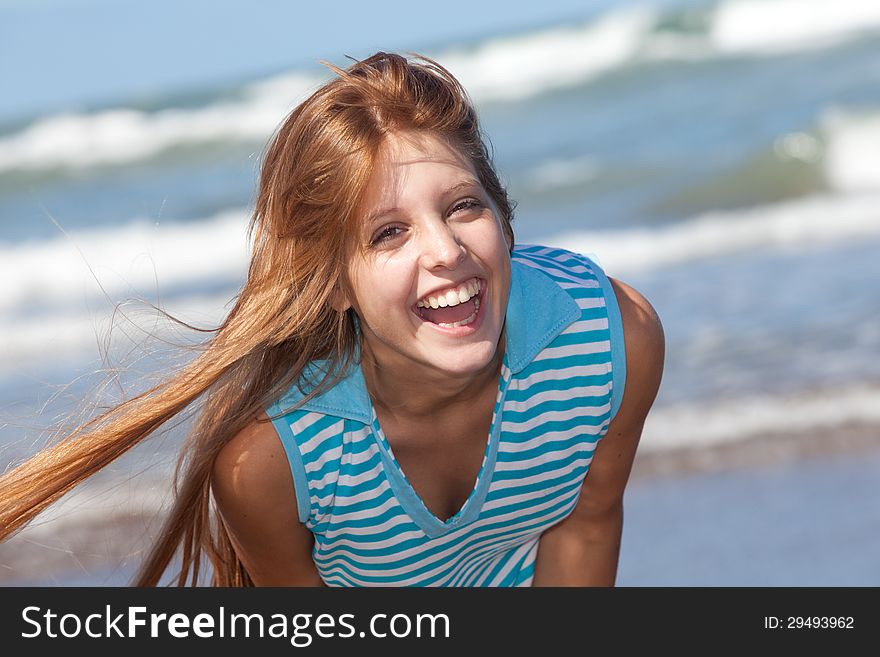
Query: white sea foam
x,y
136,257
852,156
704,425
70,336
793,224
124,135
763,27
515,67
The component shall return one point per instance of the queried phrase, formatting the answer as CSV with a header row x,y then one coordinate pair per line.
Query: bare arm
x,y
254,491
583,549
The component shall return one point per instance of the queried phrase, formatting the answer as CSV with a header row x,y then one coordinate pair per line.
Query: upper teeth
x,y
452,296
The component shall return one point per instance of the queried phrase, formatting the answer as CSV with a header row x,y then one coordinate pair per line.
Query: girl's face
x,y
432,274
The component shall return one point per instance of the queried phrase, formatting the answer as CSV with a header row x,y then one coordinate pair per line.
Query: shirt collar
x,y
538,310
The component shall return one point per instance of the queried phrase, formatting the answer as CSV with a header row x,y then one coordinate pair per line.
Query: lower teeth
x,y
466,320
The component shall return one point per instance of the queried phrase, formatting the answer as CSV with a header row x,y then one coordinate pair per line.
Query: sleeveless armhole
x,y
618,345
294,459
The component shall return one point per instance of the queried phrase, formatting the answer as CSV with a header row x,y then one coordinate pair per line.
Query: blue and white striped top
x,y
561,384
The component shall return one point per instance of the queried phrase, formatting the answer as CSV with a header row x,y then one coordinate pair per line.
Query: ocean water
x,y
721,156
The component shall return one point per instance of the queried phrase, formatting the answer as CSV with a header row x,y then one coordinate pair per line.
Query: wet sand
x,y
775,511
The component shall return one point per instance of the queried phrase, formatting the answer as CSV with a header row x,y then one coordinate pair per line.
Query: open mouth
x,y
455,307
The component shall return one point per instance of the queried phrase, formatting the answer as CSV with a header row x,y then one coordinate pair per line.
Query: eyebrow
x,y
470,182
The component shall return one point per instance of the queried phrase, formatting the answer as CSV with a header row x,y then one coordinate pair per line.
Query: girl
x,y
399,395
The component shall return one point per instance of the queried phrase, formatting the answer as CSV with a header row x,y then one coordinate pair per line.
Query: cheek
x,y
487,240
383,288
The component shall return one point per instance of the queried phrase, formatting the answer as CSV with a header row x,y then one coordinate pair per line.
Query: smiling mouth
x,y
453,308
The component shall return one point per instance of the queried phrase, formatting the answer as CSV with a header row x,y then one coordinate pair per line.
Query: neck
x,y
406,391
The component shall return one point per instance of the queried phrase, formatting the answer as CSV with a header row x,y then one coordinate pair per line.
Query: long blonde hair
x,y
312,180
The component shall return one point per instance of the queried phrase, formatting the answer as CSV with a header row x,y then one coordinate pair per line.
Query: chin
x,y
464,361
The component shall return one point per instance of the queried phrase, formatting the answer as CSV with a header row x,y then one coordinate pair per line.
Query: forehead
x,y
414,159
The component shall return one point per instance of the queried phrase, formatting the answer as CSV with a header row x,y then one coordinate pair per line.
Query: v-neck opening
x,y
413,503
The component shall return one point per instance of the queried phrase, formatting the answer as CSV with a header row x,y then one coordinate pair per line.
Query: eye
x,y
386,234
466,204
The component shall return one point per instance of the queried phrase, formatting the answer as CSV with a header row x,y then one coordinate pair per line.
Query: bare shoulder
x,y
645,349
254,492
251,468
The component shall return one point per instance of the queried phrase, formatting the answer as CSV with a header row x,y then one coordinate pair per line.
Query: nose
x,y
440,248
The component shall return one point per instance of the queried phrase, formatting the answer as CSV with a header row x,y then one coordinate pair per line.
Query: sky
x,y
64,54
